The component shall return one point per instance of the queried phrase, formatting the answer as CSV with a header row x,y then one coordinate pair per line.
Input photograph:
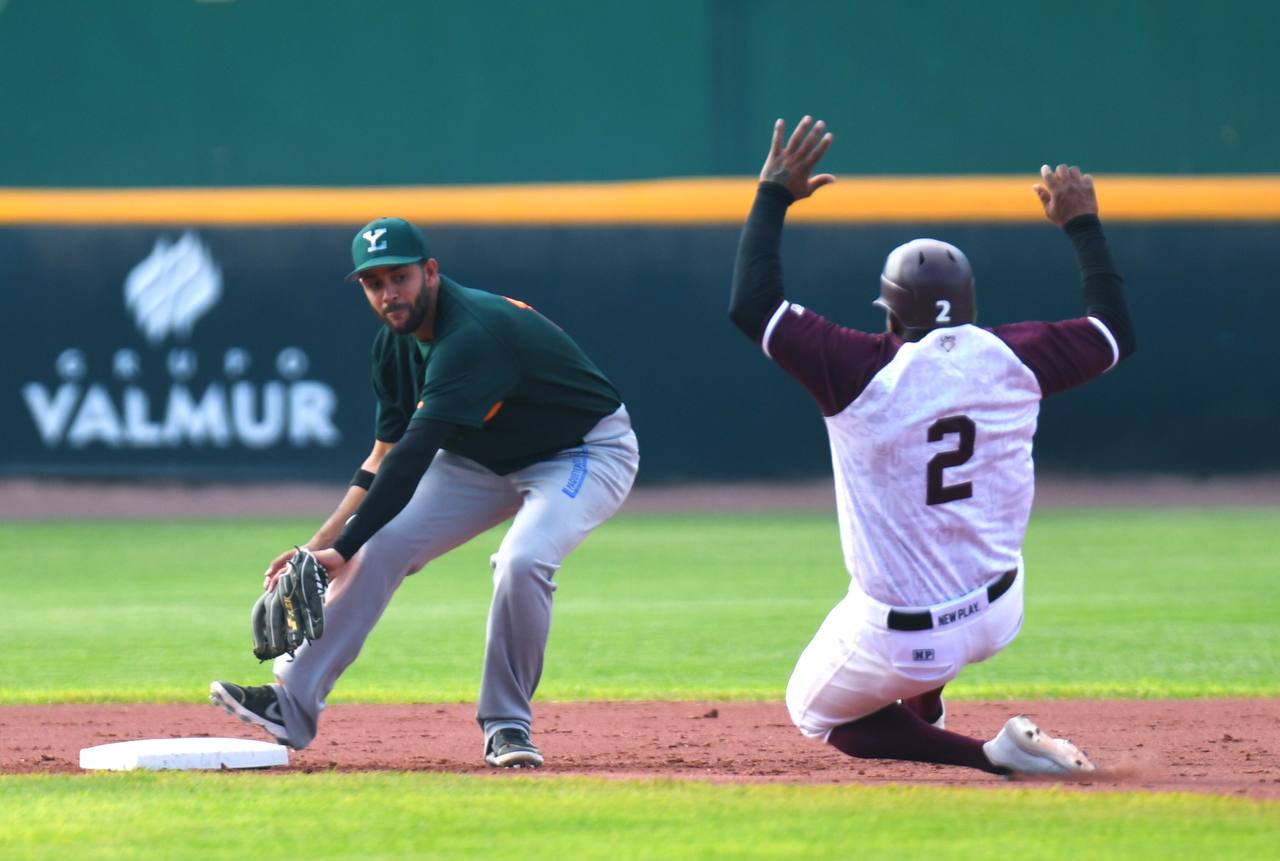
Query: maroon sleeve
x,y
1062,355
833,363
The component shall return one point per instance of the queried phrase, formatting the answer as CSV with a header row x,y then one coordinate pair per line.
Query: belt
x,y
922,620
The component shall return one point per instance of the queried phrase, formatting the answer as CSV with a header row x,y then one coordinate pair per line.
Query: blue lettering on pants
x,y
577,475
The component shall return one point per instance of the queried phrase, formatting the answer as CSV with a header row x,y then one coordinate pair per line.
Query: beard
x,y
417,314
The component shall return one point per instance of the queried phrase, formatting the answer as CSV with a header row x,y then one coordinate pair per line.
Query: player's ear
x,y
431,268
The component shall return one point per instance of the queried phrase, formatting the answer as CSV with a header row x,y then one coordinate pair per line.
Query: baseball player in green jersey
x,y
486,410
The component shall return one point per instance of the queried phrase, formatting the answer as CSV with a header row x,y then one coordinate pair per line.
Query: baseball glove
x,y
292,612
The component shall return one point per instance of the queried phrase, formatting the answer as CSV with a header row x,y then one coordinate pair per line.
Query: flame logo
x,y
173,287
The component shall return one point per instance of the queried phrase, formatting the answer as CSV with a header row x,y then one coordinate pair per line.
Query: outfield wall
x,y
266,375
342,92
609,147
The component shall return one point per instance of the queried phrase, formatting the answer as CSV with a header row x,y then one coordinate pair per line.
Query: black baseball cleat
x,y
511,748
256,705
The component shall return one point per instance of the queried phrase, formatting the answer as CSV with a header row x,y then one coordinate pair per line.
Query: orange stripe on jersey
x,y
421,404
525,305
494,411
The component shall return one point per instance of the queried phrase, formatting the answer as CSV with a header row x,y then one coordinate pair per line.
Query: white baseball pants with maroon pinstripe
x,y
856,665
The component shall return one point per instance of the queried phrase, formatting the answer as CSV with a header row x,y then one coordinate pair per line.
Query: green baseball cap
x,y
387,242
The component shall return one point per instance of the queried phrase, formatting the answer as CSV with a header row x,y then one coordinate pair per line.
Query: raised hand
x,y
1066,193
791,166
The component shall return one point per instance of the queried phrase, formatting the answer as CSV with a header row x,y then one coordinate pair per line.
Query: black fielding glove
x,y
293,611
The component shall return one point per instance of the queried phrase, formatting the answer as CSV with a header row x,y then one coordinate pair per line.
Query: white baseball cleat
x,y
1022,748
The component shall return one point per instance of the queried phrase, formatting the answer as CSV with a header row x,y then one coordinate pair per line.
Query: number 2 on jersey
x,y
938,492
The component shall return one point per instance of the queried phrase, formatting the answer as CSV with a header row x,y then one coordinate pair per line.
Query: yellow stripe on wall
x,y
696,201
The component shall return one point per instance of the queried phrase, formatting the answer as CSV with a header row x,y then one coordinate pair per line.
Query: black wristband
x,y
1080,223
362,478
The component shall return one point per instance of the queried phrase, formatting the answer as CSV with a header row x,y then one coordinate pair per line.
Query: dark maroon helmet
x,y
927,284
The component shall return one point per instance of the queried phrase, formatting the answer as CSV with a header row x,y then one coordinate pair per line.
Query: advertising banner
x,y
203,354
240,354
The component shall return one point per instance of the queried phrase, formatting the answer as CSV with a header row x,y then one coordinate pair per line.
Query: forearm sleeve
x,y
757,271
1100,284
393,486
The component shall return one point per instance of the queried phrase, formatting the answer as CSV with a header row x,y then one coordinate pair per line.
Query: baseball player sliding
x,y
486,410
931,426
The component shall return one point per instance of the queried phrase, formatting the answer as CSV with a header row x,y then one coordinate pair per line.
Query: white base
x,y
155,754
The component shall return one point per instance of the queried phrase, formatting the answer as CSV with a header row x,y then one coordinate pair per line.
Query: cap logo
x,y
375,240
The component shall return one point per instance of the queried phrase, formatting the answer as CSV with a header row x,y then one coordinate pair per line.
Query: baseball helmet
x,y
927,284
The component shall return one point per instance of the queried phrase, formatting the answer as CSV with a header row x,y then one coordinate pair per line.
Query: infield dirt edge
x,y
1223,747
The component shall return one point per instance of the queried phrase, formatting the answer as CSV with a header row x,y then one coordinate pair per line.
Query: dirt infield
x,y
1224,747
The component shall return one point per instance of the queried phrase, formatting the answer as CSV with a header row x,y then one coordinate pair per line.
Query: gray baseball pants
x,y
555,503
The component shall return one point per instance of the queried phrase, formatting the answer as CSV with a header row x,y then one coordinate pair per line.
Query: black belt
x,y
922,620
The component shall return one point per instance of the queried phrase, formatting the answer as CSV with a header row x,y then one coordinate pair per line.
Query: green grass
x,y
187,816
1119,603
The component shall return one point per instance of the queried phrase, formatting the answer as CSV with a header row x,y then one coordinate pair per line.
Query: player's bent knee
x,y
798,704
809,727
516,568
